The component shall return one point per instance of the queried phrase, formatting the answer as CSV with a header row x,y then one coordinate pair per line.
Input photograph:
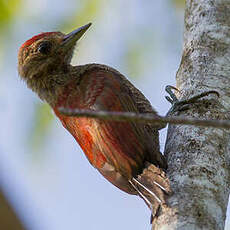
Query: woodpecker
x,y
126,153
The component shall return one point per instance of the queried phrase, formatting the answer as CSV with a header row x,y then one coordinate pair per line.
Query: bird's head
x,y
47,52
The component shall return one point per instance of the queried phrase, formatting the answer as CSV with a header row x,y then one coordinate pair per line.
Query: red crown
x,y
35,38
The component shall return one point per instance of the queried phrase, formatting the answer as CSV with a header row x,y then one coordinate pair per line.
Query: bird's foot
x,y
181,105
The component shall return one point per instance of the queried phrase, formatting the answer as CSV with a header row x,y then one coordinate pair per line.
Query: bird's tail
x,y
153,187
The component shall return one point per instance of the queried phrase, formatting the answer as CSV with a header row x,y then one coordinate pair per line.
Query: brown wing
x,y
118,150
141,102
127,144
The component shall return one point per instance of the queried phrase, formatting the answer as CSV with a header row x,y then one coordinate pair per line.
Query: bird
x,y
127,154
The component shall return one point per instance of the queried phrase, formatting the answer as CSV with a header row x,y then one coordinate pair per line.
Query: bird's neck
x,y
49,84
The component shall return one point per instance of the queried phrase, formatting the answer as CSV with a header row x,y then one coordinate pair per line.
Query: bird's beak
x,y
70,39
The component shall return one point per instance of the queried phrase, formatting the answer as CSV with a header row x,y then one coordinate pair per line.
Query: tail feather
x,y
147,190
141,195
153,187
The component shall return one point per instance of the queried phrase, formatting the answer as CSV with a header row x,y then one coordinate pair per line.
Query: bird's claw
x,y
177,105
181,105
172,97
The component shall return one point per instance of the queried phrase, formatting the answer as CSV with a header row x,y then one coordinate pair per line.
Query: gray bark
x,y
198,157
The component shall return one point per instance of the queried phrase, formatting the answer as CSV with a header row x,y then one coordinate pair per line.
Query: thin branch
x,y
145,118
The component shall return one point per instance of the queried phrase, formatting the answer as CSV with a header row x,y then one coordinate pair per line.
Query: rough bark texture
x,y
198,158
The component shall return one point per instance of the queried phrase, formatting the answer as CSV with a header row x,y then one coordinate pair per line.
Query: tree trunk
x,y
198,158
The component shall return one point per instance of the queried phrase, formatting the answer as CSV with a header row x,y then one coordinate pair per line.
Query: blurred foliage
x,y
133,58
88,10
179,3
137,50
43,118
8,10
8,217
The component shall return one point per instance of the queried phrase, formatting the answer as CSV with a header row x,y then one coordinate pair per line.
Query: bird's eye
x,y
44,47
